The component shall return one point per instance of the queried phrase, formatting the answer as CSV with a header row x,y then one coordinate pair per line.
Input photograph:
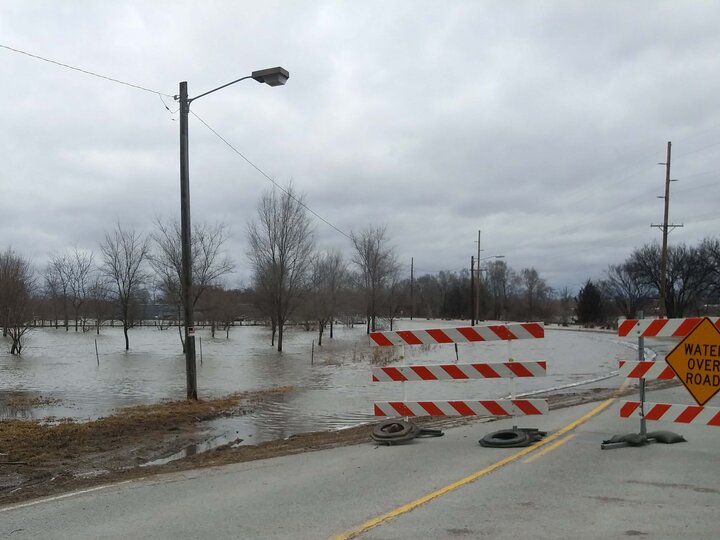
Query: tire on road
x,y
505,438
394,431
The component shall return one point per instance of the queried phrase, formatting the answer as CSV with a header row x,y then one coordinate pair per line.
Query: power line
x,y
161,95
258,169
85,71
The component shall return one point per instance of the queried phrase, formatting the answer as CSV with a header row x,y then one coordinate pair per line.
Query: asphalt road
x,y
447,487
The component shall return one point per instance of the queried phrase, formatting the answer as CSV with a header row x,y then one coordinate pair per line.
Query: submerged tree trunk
x,y
127,339
321,328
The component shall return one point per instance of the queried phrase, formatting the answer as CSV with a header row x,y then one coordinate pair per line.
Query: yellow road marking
x,y
370,524
549,449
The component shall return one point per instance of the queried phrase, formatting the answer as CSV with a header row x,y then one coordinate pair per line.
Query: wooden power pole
x,y
665,229
412,278
472,290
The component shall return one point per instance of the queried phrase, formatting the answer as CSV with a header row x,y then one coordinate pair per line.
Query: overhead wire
x,y
268,177
168,108
85,71
161,95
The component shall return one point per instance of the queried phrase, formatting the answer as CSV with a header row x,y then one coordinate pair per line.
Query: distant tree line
x,y
693,284
136,278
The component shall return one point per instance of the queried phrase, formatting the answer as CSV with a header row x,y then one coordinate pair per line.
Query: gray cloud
x,y
540,123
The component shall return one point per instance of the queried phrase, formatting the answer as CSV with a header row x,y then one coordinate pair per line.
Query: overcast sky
x,y
539,123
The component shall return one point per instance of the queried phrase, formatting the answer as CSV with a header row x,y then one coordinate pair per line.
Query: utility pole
x,y
185,228
472,290
665,229
412,278
477,283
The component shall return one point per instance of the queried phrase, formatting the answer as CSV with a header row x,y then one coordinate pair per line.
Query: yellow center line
x,y
370,524
549,449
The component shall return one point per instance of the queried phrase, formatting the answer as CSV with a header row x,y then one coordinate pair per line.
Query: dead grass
x,y
36,443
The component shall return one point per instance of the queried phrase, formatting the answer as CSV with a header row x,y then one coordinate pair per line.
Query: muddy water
x,y
60,376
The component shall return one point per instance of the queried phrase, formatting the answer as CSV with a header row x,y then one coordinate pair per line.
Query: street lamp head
x,y
276,76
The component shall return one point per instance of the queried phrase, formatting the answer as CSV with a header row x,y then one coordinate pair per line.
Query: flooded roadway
x,y
59,375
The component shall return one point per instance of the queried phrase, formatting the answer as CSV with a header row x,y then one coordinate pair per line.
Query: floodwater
x,y
59,374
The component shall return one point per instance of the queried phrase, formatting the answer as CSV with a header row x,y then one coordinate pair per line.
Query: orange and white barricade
x,y
473,371
693,361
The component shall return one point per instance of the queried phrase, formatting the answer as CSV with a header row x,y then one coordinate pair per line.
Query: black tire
x,y
505,438
394,429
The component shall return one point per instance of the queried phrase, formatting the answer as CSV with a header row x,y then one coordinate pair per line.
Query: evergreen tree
x,y
589,304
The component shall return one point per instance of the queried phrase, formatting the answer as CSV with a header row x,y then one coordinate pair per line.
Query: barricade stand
x,y
691,360
456,371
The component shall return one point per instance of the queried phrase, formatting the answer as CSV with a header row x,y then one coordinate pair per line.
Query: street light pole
x,y
185,242
272,77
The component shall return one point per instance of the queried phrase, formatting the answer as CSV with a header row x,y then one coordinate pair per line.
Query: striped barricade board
x,y
474,371
670,412
487,407
467,334
660,327
646,370
489,370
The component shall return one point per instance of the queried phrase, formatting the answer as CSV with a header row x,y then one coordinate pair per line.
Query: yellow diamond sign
x,y
696,361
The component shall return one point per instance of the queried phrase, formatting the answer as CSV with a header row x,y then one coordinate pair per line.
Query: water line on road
x,y
649,354
569,385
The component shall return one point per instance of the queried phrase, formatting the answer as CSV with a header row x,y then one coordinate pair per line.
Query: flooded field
x,y
60,376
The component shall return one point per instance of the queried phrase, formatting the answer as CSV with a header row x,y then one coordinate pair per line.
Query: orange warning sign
x,y
696,361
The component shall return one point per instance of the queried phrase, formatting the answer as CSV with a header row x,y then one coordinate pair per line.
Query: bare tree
x,y
218,308
16,284
535,290
566,301
209,263
264,300
499,282
80,266
628,293
710,251
689,274
281,245
100,294
124,252
377,262
395,295
428,296
327,277
57,285
337,282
